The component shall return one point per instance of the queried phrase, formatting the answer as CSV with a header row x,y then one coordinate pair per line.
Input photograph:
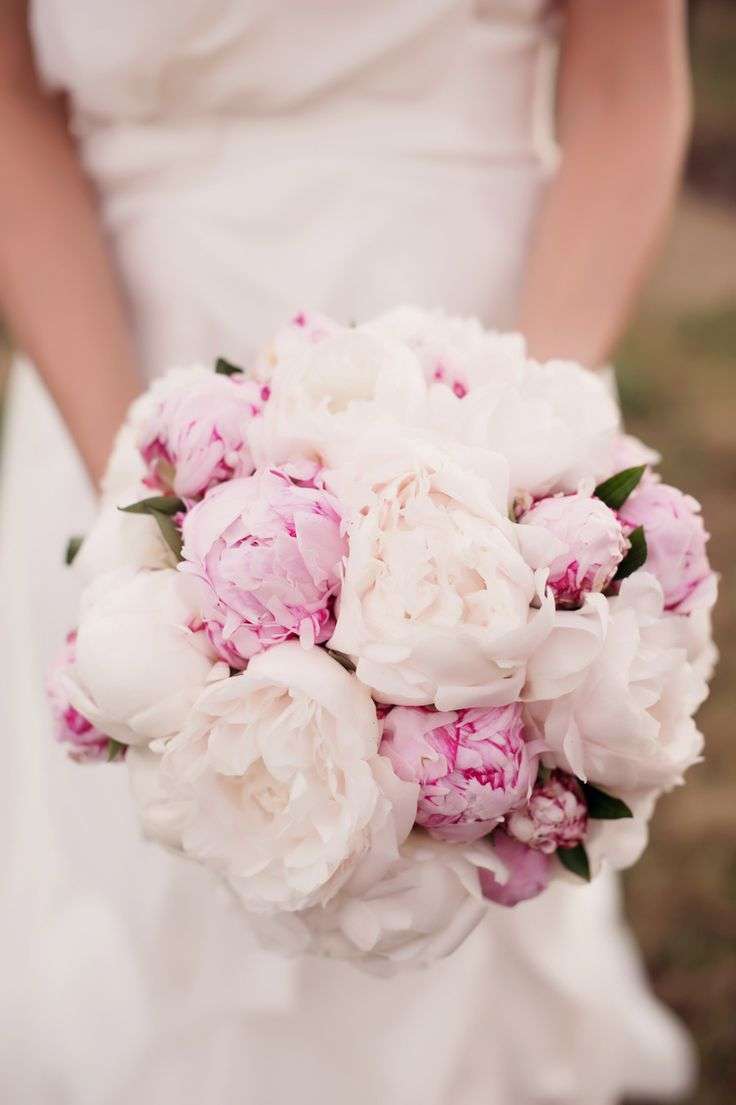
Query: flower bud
x,y
556,815
594,544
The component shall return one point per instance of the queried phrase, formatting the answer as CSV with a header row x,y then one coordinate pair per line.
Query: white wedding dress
x,y
254,157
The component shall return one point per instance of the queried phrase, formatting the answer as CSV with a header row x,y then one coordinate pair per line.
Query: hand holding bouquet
x,y
393,625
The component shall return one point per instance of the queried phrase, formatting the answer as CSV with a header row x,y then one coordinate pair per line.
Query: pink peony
x,y
264,555
594,544
87,744
472,765
529,872
195,434
676,540
556,815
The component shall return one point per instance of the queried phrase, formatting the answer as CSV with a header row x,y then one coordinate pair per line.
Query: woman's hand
x,y
58,293
623,107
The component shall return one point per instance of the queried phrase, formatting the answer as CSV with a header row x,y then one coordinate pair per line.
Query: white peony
x,y
125,467
618,844
121,540
692,632
427,903
305,329
628,724
438,603
138,666
424,908
555,426
281,786
561,662
326,395
161,819
116,539
456,353
697,634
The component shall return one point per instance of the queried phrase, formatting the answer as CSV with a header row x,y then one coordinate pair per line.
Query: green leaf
x,y
342,659
575,860
636,556
73,546
169,532
161,504
161,508
114,749
226,368
615,491
602,806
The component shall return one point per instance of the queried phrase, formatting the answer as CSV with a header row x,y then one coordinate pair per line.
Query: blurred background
x,y
677,377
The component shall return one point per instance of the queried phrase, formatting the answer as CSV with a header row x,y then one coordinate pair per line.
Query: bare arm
x,y
623,121
58,294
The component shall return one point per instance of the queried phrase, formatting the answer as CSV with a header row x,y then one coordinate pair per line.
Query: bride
x,y
231,162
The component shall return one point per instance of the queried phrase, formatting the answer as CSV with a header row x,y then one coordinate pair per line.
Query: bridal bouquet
x,y
391,625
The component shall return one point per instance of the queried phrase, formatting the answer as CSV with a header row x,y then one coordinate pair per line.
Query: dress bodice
x,y
325,153
177,57
453,64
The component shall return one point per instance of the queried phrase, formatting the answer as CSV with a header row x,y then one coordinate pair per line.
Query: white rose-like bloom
x,y
120,540
458,353
327,394
125,467
425,905
619,843
694,633
304,329
628,724
556,426
116,539
138,665
283,790
424,908
436,604
161,819
562,660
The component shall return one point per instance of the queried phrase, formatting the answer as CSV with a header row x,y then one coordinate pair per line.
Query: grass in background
x,y
712,161
676,377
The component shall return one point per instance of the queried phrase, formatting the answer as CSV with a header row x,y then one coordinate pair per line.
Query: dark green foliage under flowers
x,y
115,749
615,491
636,556
226,368
161,508
575,860
73,546
603,806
